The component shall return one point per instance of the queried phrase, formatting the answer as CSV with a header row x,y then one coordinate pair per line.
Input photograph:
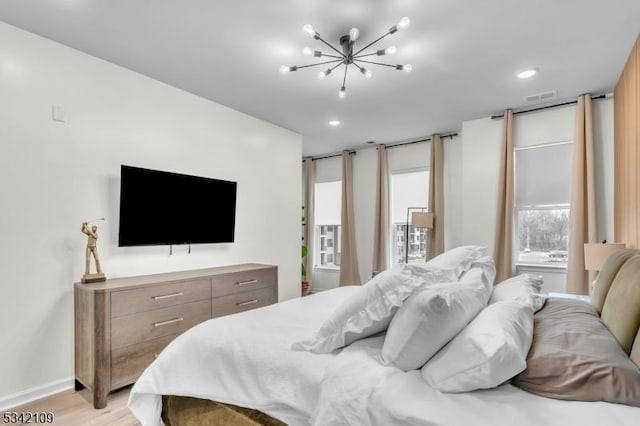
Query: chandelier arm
x,y
329,44
344,79
321,63
336,66
376,63
365,55
333,56
372,43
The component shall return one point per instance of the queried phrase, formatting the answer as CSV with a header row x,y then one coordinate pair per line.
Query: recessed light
x,y
528,73
334,123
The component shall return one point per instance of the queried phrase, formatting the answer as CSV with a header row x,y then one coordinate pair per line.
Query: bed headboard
x,y
616,296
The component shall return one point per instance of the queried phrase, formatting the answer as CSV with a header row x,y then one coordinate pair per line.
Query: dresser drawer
x,y
131,329
158,296
128,363
243,281
244,301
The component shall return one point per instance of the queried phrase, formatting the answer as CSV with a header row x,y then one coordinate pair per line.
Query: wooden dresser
x,y
122,324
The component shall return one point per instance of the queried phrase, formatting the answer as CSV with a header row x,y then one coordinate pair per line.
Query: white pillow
x,y
483,269
459,258
429,319
490,350
370,309
524,288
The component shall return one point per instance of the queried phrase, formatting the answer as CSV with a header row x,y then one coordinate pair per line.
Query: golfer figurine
x,y
92,250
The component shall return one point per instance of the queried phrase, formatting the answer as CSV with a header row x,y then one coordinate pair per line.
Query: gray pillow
x,y
575,357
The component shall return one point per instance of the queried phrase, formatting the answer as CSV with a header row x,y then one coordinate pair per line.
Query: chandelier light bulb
x,y
343,92
284,69
407,68
367,73
354,33
403,24
307,51
527,73
323,74
391,50
308,30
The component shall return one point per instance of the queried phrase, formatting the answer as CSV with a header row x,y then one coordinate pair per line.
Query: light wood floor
x,y
73,408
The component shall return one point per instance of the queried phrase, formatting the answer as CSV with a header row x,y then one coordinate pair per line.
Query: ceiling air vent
x,y
541,97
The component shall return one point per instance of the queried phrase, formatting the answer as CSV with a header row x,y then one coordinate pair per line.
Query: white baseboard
x,y
26,396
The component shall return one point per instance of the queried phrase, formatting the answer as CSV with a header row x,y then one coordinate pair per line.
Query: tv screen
x,y
169,208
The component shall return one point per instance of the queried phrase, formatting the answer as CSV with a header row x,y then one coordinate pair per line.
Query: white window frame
x,y
392,225
317,245
517,209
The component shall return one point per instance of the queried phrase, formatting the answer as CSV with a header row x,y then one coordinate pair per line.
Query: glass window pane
x,y
328,200
543,179
543,236
410,189
328,253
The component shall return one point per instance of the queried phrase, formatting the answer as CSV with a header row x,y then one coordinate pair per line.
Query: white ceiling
x,y
465,55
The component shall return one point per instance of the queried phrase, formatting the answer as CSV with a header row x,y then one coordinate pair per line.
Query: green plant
x,y
305,251
303,270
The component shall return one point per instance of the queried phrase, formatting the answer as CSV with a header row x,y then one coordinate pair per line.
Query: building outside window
x,y
543,182
329,236
328,204
407,189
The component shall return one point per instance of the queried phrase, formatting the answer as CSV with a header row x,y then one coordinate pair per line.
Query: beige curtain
x,y
435,244
503,244
349,274
381,221
582,218
308,214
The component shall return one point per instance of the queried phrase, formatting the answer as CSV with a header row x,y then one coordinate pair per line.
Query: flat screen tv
x,y
159,207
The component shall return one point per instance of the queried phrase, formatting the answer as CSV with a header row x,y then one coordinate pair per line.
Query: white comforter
x,y
246,359
358,390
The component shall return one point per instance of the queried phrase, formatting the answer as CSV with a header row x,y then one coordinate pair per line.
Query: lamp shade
x,y
422,219
595,254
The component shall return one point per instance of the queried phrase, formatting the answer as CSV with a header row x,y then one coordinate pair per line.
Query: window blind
x,y
328,203
543,175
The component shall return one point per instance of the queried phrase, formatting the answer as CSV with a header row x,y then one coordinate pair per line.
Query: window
x,y
407,189
543,179
328,204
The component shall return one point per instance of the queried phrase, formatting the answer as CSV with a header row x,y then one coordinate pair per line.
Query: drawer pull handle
x,y
166,296
171,321
247,282
248,302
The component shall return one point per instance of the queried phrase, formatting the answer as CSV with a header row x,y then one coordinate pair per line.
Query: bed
x,y
242,369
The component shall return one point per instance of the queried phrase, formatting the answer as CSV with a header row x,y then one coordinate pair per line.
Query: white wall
x,y
54,175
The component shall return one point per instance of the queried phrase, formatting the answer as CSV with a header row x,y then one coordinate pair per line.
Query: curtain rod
x,y
493,117
337,154
448,135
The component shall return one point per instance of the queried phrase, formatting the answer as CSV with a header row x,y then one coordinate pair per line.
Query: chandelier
x,y
347,56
